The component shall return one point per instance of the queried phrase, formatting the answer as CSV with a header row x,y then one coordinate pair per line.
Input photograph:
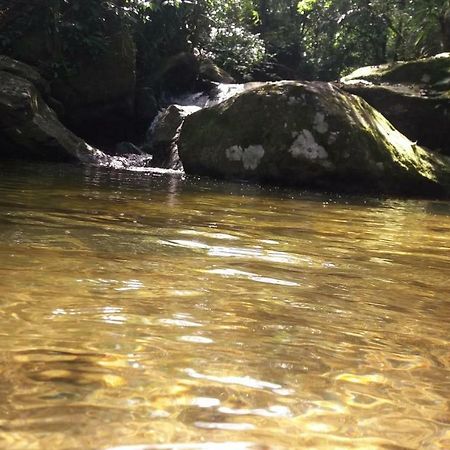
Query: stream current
x,y
141,308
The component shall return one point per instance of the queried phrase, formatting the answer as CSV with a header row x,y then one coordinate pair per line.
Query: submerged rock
x,y
309,135
29,127
414,96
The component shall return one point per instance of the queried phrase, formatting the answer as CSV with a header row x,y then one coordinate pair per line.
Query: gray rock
x,y
163,135
22,70
29,128
309,135
413,95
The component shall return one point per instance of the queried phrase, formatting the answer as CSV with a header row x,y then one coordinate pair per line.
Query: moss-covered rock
x,y
433,71
309,135
29,128
414,96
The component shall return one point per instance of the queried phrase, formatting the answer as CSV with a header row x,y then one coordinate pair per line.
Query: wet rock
x,y
414,96
163,135
309,135
29,128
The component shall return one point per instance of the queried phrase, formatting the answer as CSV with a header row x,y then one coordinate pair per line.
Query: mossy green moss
x,y
434,71
413,95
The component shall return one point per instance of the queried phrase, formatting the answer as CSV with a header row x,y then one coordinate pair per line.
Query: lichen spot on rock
x,y
319,123
305,146
293,101
234,153
252,156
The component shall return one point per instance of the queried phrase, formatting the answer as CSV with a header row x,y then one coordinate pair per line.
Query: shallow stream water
x,y
153,309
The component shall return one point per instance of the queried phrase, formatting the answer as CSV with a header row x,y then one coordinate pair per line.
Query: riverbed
x,y
153,308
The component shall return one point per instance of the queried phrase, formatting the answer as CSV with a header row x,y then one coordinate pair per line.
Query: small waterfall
x,y
217,94
160,150
131,161
162,136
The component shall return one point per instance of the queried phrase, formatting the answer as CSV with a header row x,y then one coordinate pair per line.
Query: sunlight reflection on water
x,y
156,312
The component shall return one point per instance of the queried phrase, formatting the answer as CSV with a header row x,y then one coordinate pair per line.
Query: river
x,y
150,308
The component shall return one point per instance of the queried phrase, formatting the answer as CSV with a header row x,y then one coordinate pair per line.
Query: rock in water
x,y
29,127
413,95
163,135
309,135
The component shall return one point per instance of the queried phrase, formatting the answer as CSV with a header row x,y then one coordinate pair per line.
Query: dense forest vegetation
x,y
252,39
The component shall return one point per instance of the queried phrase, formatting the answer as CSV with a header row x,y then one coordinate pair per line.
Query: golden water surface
x,y
154,311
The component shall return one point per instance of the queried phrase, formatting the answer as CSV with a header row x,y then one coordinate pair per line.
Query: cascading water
x,y
217,94
162,136
160,151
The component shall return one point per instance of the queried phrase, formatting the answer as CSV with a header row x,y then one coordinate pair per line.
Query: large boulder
x,y
308,135
414,96
29,128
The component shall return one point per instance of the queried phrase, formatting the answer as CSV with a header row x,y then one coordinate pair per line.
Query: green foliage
x,y
65,32
311,38
235,49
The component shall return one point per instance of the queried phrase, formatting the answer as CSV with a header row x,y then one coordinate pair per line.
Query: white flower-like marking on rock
x,y
250,156
234,153
306,146
319,123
